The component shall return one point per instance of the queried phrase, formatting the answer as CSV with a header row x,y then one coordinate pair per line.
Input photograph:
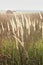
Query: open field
x,y
21,38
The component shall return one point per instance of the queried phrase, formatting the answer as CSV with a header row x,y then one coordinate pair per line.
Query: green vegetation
x,y
10,55
32,52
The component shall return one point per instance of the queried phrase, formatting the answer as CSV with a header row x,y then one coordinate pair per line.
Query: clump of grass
x,y
10,55
10,51
35,53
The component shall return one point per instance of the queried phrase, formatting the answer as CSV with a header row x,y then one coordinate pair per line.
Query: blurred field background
x,y
21,38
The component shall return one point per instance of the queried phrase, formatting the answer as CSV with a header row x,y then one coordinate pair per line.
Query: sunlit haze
x,y
21,5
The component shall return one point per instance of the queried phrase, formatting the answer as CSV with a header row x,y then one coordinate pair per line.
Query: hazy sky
x,y
21,4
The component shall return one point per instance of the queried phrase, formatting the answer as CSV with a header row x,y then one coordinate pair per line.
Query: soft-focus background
x,y
17,45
